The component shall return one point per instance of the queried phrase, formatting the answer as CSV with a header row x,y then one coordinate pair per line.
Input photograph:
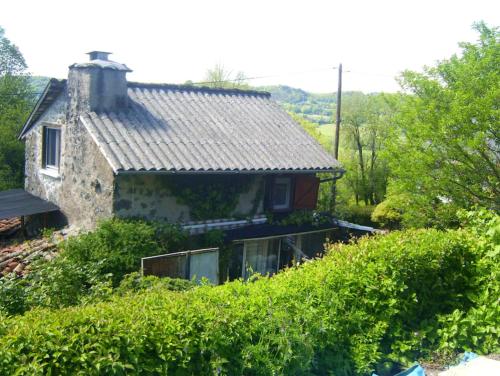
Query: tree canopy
x,y
445,152
16,98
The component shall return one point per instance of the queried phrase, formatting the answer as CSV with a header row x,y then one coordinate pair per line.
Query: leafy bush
x,y
135,282
380,303
388,213
89,265
359,214
117,246
476,329
55,284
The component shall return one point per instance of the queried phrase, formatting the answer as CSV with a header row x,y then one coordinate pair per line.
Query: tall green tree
x,y
445,153
16,99
366,120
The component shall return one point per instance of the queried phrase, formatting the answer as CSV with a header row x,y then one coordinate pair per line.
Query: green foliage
x,y
136,282
476,329
380,303
209,196
58,283
16,100
366,123
388,213
364,133
359,214
117,246
90,265
301,217
12,295
444,152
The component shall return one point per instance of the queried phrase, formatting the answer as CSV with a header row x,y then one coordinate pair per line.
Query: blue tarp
x,y
416,370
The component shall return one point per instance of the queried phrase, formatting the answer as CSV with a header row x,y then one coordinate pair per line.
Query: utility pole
x,y
337,135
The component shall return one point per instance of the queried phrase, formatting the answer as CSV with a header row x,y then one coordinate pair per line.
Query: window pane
x,y
280,194
261,256
52,147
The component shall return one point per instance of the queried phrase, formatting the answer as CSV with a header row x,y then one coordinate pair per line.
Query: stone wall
x,y
83,188
37,182
149,196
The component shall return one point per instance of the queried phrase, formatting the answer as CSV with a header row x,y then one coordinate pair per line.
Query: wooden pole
x,y
337,136
337,124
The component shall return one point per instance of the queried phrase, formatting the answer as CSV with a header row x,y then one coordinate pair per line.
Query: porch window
x,y
281,193
261,256
51,148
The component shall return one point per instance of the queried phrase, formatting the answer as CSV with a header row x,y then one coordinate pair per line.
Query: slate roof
x,y
175,128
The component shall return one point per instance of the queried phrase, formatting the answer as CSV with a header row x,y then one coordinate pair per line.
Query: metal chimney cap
x,y
99,55
99,59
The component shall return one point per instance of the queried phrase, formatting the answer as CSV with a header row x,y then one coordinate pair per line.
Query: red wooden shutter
x,y
306,192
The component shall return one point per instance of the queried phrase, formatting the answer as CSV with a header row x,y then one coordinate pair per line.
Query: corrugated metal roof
x,y
18,202
184,128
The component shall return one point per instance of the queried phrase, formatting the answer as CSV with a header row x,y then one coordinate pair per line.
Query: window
x,y
281,193
261,256
51,148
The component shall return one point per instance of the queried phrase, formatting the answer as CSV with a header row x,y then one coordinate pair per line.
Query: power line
x,y
262,77
243,79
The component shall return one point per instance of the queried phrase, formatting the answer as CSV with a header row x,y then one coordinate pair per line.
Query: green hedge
x,y
378,304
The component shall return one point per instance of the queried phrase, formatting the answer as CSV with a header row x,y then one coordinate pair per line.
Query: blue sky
x,y
296,42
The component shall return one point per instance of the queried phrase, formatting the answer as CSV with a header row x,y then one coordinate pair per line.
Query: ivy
x,y
300,217
209,196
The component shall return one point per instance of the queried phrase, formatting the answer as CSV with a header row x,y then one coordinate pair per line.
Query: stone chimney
x,y
98,85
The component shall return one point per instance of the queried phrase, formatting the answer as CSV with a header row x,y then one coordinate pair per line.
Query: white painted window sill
x,y
50,172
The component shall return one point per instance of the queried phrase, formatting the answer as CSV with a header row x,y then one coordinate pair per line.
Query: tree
x,y
15,102
366,121
221,77
445,152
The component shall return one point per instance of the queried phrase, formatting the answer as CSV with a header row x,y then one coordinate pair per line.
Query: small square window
x,y
51,148
281,193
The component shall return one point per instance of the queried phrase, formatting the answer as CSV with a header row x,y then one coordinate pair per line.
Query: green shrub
x,y
388,213
135,282
476,329
117,246
12,294
359,214
382,303
89,265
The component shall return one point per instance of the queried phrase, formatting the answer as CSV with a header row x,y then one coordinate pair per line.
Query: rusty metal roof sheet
x,y
175,128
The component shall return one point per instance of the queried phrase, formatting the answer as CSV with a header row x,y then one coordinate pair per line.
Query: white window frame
x,y
45,165
283,180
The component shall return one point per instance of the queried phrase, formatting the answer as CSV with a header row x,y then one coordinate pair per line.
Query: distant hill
x,y
317,108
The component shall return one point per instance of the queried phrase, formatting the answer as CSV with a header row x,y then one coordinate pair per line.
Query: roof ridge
x,y
207,89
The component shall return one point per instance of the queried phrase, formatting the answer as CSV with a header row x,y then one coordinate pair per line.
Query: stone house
x,y
98,146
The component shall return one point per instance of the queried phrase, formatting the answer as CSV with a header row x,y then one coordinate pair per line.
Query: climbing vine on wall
x,y
209,196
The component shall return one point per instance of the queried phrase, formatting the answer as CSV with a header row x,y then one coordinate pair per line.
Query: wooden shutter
x,y
306,192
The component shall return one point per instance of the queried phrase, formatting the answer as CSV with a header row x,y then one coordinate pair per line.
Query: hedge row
x,y
375,305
